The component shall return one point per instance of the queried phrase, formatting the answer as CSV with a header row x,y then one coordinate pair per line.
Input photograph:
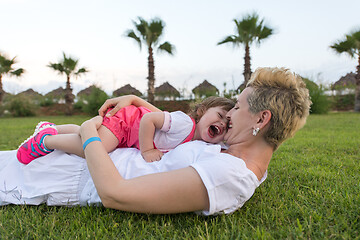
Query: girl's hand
x,y
152,155
117,103
92,123
97,121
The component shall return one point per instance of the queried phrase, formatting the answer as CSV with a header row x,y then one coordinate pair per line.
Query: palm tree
x,y
69,67
248,30
351,46
150,33
6,68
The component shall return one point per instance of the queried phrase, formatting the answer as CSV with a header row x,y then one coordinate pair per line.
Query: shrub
x,y
343,102
46,102
320,102
91,103
21,107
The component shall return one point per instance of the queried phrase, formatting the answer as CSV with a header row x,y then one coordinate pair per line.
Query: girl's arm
x,y
169,192
149,122
124,101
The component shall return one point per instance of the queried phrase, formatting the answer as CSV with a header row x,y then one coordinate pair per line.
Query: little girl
x,y
139,124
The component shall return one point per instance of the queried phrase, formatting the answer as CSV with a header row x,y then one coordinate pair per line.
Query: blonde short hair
x,y
285,95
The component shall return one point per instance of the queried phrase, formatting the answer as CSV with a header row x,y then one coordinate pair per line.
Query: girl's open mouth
x,y
214,131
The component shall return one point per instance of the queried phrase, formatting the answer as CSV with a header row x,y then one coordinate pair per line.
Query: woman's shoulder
x,y
228,181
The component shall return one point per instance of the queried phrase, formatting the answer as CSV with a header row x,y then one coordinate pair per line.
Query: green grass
x,y
312,192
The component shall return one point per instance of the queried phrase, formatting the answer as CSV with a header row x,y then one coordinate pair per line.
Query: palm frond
x,y
141,26
251,29
81,70
155,30
167,47
57,67
264,33
131,34
6,66
230,39
69,63
355,39
18,72
344,46
349,45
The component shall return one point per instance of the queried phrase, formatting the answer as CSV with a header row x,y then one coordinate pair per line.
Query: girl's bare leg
x,y
68,139
68,128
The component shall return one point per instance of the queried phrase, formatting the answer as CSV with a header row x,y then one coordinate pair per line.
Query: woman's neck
x,y
256,156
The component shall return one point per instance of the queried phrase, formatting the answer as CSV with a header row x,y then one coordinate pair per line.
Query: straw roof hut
x,y
6,96
347,81
31,95
92,94
56,95
86,91
125,90
166,91
205,89
59,92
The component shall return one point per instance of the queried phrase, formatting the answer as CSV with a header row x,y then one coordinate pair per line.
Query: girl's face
x,y
241,120
212,126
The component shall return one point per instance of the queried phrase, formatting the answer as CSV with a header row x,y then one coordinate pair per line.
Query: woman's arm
x,y
169,192
124,101
149,122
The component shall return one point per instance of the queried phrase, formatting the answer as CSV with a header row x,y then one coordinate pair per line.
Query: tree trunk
x,y
247,67
357,89
69,97
151,77
1,90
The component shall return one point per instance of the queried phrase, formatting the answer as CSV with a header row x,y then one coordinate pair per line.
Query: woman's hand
x,y
124,101
117,103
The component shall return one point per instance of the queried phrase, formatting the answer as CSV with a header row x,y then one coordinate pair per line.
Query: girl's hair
x,y
199,109
285,95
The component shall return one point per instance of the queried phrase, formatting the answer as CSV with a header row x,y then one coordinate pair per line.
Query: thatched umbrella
x,y
205,89
92,96
31,95
347,81
6,94
86,91
126,90
59,92
30,92
166,91
57,95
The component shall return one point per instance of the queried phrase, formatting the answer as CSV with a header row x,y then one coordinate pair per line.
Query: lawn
x,y
312,192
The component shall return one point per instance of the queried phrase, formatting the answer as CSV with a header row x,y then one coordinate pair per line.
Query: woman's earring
x,y
255,131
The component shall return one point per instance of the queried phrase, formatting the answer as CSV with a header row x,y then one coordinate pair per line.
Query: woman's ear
x,y
264,118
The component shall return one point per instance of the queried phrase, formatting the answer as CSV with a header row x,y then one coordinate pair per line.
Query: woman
x,y
195,176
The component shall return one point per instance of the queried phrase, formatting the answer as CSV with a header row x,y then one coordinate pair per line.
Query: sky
x,y
37,32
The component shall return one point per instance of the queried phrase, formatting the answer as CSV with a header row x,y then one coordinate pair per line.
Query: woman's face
x,y
212,126
241,120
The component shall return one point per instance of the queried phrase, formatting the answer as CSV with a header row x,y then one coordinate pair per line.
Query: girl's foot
x,y
34,146
42,124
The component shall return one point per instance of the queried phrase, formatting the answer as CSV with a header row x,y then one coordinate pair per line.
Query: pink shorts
x,y
125,125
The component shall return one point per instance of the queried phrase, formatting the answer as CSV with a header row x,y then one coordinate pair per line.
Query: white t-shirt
x,y
62,179
176,128
229,183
